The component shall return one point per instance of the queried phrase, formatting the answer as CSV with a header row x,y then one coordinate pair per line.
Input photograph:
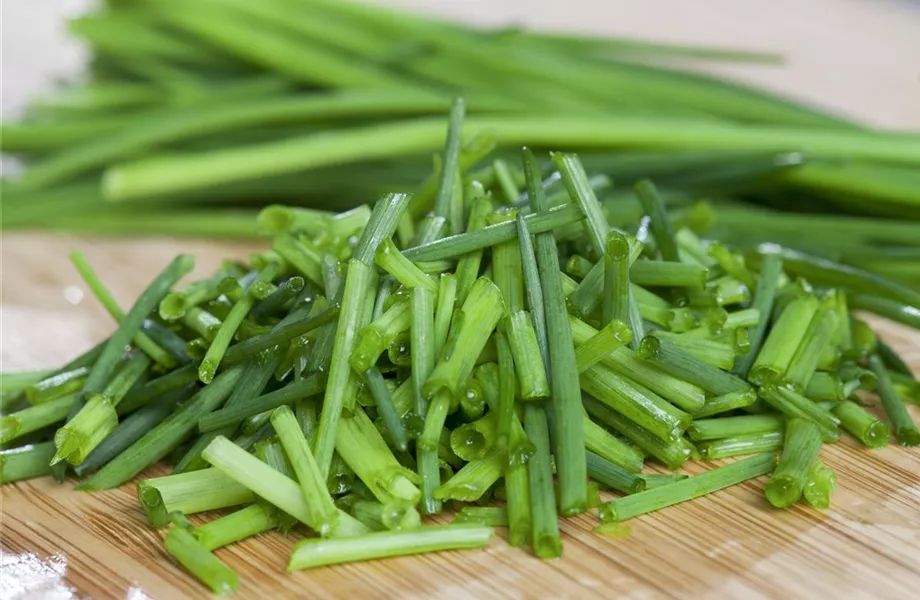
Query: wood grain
x,y
728,545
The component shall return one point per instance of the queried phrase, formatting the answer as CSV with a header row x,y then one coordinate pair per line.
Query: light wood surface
x,y
852,55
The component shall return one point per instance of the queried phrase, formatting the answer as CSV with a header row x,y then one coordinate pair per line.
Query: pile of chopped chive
x,y
195,113
511,355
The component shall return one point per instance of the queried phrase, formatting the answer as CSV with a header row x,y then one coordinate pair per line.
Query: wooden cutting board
x,y
728,545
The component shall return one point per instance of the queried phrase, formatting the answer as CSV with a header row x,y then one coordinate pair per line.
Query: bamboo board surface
x,y
729,545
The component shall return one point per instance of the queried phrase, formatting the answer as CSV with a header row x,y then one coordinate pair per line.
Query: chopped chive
x,y
532,288
487,516
528,362
200,562
820,333
383,544
238,525
518,490
19,423
276,219
893,360
820,485
504,410
612,336
863,339
764,296
386,408
673,453
472,400
448,296
783,341
507,267
269,484
610,447
826,387
359,286
423,333
712,352
740,445
26,462
376,337
271,452
613,476
579,188
688,367
615,305
189,493
235,413
14,383
655,480
381,225
794,405
659,273
731,263
290,289
393,517
469,264
545,531
163,438
155,388
905,430
143,341
473,480
391,260
450,162
653,206
56,386
801,446
711,481
324,515
711,429
578,266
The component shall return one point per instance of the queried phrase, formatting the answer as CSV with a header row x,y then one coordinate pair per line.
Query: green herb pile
x,y
195,113
516,353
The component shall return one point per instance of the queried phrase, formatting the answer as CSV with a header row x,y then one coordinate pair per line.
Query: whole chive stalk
x,y
862,425
794,405
615,334
189,493
711,481
905,430
613,476
712,352
764,295
487,516
722,404
528,362
163,438
221,341
801,446
672,453
143,341
820,334
712,429
472,325
740,445
783,341
269,484
383,400
237,526
392,517
34,418
688,367
200,562
545,532
376,337
56,386
469,264
826,387
653,205
324,515
625,362
359,289
820,485
611,448
384,544
26,462
391,260
363,448
234,414
635,402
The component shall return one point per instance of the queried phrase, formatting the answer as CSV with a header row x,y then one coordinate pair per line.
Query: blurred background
x,y
858,57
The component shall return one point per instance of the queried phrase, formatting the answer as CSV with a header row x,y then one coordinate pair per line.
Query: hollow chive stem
x,y
448,296
377,336
143,341
383,400
200,562
611,448
324,514
26,462
504,409
660,224
722,404
469,264
764,296
305,259
175,305
820,485
712,429
616,298
358,292
13,383
711,481
794,405
392,517
383,544
820,333
189,493
783,341
740,445
424,336
474,479
872,432
276,219
155,388
238,411
613,476
905,430
271,452
163,438
517,487
545,532
826,387
287,291
672,453
615,334
528,362
391,260
33,418
801,445
688,367
237,526
269,484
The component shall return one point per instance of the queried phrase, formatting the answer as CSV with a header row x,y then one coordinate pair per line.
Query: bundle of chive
x,y
195,111
373,366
